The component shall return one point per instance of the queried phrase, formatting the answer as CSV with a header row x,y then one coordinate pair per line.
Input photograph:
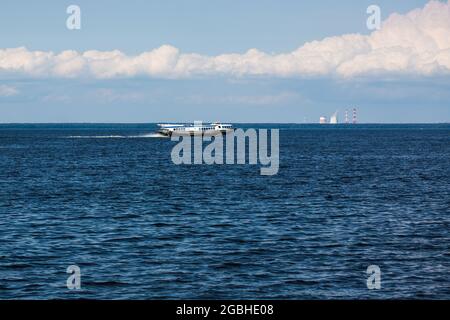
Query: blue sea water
x,y
108,198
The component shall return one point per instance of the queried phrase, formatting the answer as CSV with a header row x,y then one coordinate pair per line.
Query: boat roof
x,y
164,125
169,125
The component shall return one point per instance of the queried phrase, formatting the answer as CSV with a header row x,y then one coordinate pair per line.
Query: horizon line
x,y
239,122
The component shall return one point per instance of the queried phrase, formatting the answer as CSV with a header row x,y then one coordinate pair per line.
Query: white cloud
x,y
417,43
8,91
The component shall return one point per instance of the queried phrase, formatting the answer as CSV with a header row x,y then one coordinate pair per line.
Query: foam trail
x,y
147,135
96,137
152,135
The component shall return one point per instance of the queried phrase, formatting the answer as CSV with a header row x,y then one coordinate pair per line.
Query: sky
x,y
233,61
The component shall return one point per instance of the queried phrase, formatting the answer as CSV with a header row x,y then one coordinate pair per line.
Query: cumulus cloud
x,y
417,43
8,91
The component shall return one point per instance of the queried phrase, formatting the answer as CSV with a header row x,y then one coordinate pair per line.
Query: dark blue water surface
x,y
109,199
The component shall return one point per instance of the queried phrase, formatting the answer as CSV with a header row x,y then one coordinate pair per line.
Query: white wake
x,y
147,135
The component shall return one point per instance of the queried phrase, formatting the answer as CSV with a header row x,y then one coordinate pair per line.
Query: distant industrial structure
x,y
335,120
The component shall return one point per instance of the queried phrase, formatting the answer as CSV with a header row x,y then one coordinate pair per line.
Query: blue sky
x,y
251,87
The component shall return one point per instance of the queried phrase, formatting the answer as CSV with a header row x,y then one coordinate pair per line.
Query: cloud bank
x,y
417,43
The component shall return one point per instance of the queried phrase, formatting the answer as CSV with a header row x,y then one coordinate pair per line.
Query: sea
x,y
109,200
